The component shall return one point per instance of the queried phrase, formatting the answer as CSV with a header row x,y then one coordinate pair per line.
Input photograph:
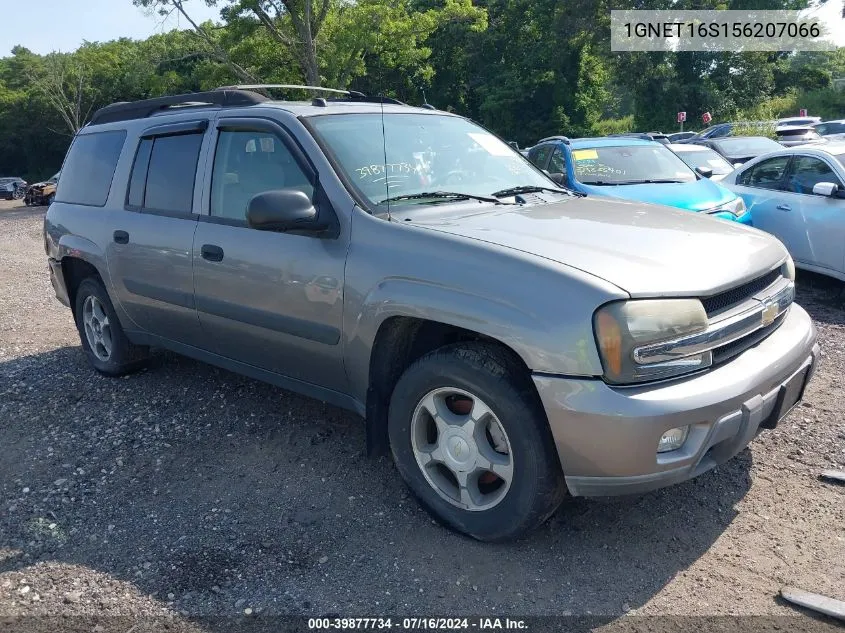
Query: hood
x,y
643,249
699,195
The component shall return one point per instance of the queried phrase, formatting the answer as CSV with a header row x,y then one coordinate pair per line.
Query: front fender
x,y
540,344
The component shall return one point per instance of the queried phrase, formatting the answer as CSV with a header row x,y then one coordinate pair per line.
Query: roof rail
x,y
352,93
563,139
357,96
125,111
640,135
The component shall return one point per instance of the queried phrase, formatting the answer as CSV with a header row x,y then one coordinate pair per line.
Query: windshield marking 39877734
x,y
399,157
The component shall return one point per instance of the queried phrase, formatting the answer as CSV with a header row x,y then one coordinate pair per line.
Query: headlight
x,y
624,326
787,269
735,207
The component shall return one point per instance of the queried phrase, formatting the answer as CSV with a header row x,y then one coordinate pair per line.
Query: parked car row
x,y
12,188
42,193
636,168
796,193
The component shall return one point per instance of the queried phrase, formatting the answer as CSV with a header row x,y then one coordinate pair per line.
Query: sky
x,y
63,25
43,26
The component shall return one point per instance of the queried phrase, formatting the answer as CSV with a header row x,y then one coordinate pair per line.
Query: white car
x,y
831,130
703,160
798,195
798,120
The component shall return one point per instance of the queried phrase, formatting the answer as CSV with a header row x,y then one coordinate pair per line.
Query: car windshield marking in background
x,y
629,164
709,159
409,154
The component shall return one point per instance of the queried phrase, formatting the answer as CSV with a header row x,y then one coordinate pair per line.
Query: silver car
x,y
507,340
798,195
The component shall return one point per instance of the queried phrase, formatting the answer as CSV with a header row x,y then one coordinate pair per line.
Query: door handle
x,y
784,207
211,252
121,237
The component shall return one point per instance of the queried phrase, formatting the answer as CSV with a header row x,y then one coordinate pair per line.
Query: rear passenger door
x,y
150,252
269,299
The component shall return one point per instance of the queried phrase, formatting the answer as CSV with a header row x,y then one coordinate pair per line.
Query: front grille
x,y
717,303
726,352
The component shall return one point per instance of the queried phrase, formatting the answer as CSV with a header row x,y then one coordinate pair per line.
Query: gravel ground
x,y
187,491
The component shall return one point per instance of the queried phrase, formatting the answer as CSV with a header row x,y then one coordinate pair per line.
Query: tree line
x,y
524,68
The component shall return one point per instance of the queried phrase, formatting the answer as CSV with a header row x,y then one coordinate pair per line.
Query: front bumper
x,y
607,437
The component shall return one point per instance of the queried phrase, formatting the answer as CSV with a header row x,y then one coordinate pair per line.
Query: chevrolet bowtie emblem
x,y
770,313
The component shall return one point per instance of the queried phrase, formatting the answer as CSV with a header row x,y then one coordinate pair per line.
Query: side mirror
x,y
560,179
825,189
282,210
704,172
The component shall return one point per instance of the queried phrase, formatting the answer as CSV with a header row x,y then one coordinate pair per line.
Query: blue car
x,y
635,169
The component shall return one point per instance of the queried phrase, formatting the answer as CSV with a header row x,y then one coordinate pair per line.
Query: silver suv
x,y
508,340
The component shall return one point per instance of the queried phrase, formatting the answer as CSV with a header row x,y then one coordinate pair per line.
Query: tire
x,y
108,350
531,487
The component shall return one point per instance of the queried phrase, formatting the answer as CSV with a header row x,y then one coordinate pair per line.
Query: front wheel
x,y
470,438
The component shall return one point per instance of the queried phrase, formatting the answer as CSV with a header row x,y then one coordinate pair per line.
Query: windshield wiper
x,y
515,191
453,195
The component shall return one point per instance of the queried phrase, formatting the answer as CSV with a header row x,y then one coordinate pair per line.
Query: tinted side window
x,y
171,173
539,155
248,163
138,179
89,168
766,175
806,172
557,164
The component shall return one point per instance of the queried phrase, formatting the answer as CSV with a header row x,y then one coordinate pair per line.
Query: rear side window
x,y
89,168
163,173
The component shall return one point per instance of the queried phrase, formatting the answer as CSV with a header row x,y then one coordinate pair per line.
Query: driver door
x,y
268,299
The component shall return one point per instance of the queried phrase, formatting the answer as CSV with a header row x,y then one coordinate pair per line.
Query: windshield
x,y
629,165
833,127
409,154
707,158
6,181
739,145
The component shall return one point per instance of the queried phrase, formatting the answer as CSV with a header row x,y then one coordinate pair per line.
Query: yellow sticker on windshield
x,y
584,154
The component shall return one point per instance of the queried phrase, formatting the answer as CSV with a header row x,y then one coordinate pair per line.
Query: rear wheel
x,y
103,340
471,440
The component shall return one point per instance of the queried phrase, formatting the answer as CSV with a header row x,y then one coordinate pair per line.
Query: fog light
x,y
672,439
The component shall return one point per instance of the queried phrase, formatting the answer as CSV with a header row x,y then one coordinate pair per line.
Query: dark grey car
x,y
506,339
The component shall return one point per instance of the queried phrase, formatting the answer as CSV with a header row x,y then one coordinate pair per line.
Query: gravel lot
x,y
190,491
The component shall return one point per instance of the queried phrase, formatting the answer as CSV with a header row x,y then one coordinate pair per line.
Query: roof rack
x,y
127,110
351,93
563,139
225,96
640,135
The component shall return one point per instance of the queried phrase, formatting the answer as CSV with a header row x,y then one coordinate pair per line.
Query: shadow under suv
x,y
506,339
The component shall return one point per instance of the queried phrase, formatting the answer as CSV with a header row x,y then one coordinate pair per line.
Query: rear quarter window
x,y
89,168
